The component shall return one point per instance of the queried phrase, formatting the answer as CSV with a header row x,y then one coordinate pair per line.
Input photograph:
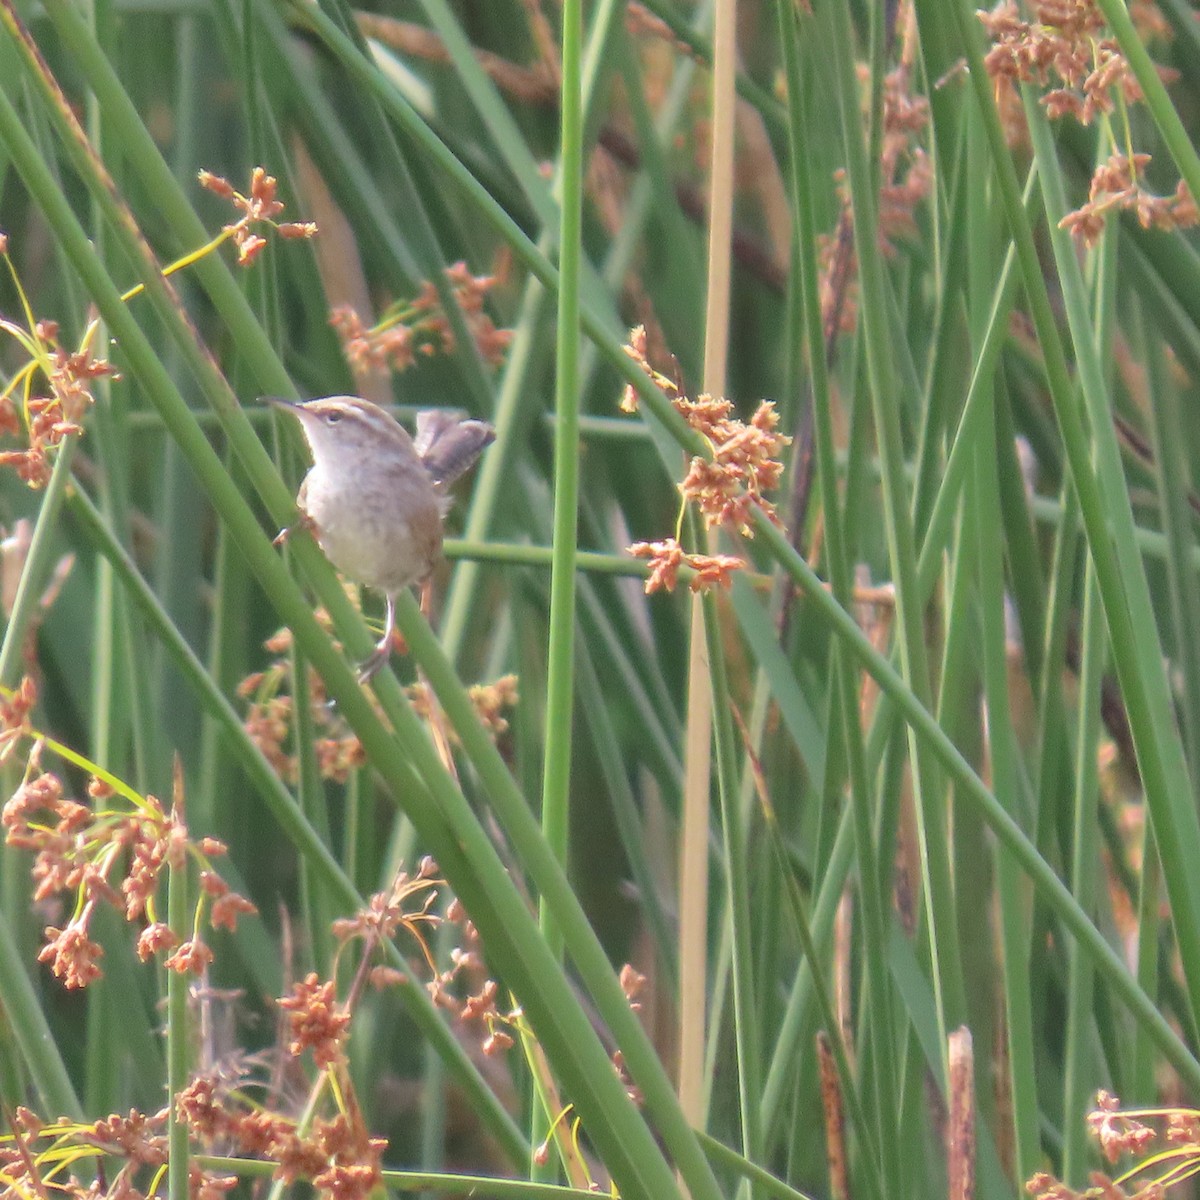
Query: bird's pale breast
x,y
386,533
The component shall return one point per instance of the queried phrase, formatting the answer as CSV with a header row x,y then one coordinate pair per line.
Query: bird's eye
x,y
332,418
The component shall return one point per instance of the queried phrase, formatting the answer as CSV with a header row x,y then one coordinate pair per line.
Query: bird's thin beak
x,y
278,401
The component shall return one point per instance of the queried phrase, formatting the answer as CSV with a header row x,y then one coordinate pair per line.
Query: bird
x,y
375,497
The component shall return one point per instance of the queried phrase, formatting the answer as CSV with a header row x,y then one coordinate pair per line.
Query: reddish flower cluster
x,y
80,848
316,1021
467,973
744,465
1165,1140
269,719
15,708
906,179
46,420
336,1155
1067,49
633,983
668,556
1066,43
744,462
139,1139
421,326
489,700
338,750
259,208
726,488
1117,185
906,173
386,912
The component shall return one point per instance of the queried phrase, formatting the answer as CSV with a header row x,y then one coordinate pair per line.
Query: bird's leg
x,y
383,648
302,522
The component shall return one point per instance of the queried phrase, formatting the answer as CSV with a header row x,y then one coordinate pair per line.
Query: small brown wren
x,y
375,497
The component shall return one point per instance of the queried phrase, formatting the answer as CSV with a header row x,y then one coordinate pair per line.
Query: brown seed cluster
x,y
668,557
745,463
316,1021
338,751
336,1154
329,1146
259,209
43,419
408,904
745,460
32,1163
490,700
1117,184
1163,1142
272,710
726,488
111,851
1066,44
420,326
906,179
1067,50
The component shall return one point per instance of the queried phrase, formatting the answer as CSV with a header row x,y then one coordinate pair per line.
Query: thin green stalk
x,y
874,1178
560,671
1080,1070
1003,759
315,899
1151,543
1143,1066
560,678
513,417
607,749
1054,776
738,879
495,114
517,1189
798,1011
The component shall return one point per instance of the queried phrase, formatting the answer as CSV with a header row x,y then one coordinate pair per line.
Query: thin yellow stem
x,y
186,261
25,307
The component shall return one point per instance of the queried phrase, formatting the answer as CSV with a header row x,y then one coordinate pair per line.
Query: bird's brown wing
x,y
449,445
